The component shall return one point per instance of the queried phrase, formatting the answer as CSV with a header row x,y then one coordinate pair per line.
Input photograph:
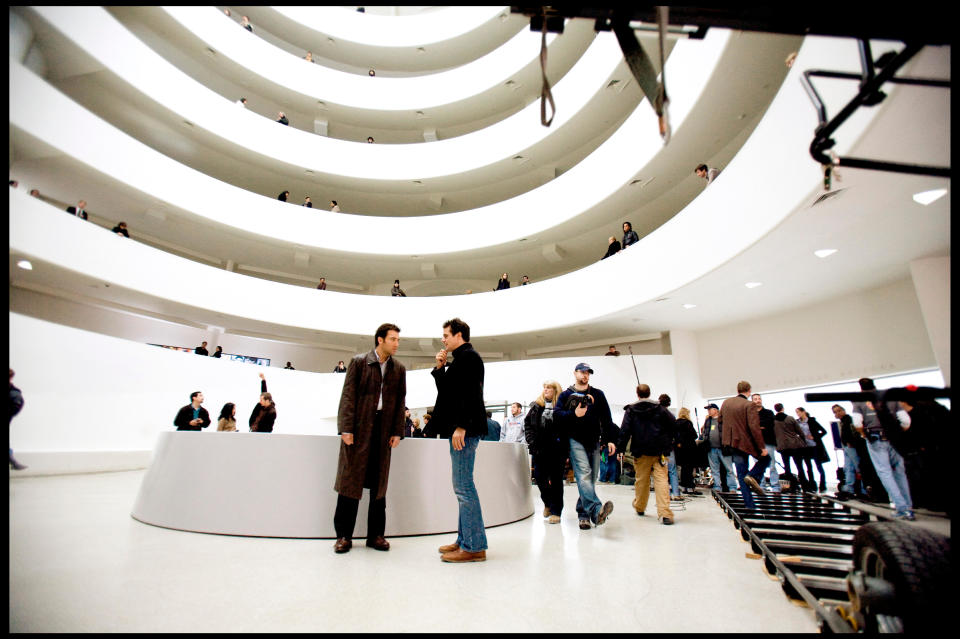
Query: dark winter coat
x,y
686,442
741,426
649,427
460,395
789,434
16,401
767,426
612,249
818,432
356,415
185,415
595,427
541,434
263,423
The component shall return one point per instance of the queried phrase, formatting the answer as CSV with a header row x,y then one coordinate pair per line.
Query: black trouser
x,y
686,473
549,464
345,516
796,454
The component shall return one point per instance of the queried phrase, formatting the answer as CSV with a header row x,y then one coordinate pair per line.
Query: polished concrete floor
x,y
80,563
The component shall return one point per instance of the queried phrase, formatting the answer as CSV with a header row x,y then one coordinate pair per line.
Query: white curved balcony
x,y
448,36
370,29
77,133
377,93
136,64
773,167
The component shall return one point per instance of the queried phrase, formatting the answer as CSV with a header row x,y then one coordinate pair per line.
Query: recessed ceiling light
x,y
661,299
689,305
421,50
753,284
825,252
929,197
25,265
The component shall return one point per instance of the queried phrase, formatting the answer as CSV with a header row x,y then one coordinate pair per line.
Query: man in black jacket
x,y
769,440
651,429
583,414
202,349
80,210
459,414
264,412
193,416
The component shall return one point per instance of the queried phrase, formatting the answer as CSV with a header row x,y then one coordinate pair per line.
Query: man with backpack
x,y
651,429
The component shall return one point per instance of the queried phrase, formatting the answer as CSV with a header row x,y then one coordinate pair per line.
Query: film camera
x,y
578,400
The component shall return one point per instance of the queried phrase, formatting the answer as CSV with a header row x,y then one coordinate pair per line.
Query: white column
x,y
931,280
686,363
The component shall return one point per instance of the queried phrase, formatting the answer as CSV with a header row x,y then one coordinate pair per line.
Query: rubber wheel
x,y
918,564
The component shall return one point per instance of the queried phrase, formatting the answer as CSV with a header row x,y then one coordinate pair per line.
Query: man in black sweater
x,y
193,416
583,414
459,414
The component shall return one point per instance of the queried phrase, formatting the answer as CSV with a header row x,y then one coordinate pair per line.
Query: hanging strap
x,y
545,93
642,67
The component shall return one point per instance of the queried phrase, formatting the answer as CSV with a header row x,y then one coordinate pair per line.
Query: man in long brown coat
x,y
740,420
370,422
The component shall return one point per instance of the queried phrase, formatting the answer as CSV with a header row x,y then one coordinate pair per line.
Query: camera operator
x,y
583,415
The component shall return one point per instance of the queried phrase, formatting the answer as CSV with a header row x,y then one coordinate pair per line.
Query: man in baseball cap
x,y
583,415
712,435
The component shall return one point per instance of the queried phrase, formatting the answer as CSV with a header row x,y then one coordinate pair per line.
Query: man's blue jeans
x,y
715,457
892,473
741,461
585,465
672,473
774,475
610,469
851,463
470,533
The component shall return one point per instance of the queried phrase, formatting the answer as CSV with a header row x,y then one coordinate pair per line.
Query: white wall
x,y
864,334
87,392
931,279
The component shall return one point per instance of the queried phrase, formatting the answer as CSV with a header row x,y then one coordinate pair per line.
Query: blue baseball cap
x,y
583,367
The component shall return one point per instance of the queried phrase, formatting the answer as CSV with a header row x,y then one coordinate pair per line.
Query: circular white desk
x,y
276,485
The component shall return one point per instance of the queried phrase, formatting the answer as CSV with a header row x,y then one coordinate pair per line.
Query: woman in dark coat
x,y
548,448
685,448
819,455
503,283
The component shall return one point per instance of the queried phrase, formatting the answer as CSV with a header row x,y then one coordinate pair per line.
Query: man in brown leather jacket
x,y
370,421
741,432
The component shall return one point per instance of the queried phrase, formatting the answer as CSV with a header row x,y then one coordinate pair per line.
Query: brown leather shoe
x,y
343,545
462,556
449,548
378,543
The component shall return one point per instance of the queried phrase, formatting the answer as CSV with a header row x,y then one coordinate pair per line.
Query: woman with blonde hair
x,y
685,448
547,448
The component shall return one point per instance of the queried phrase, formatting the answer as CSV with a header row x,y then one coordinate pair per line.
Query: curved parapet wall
x,y
58,122
431,40
447,23
275,485
773,167
373,166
